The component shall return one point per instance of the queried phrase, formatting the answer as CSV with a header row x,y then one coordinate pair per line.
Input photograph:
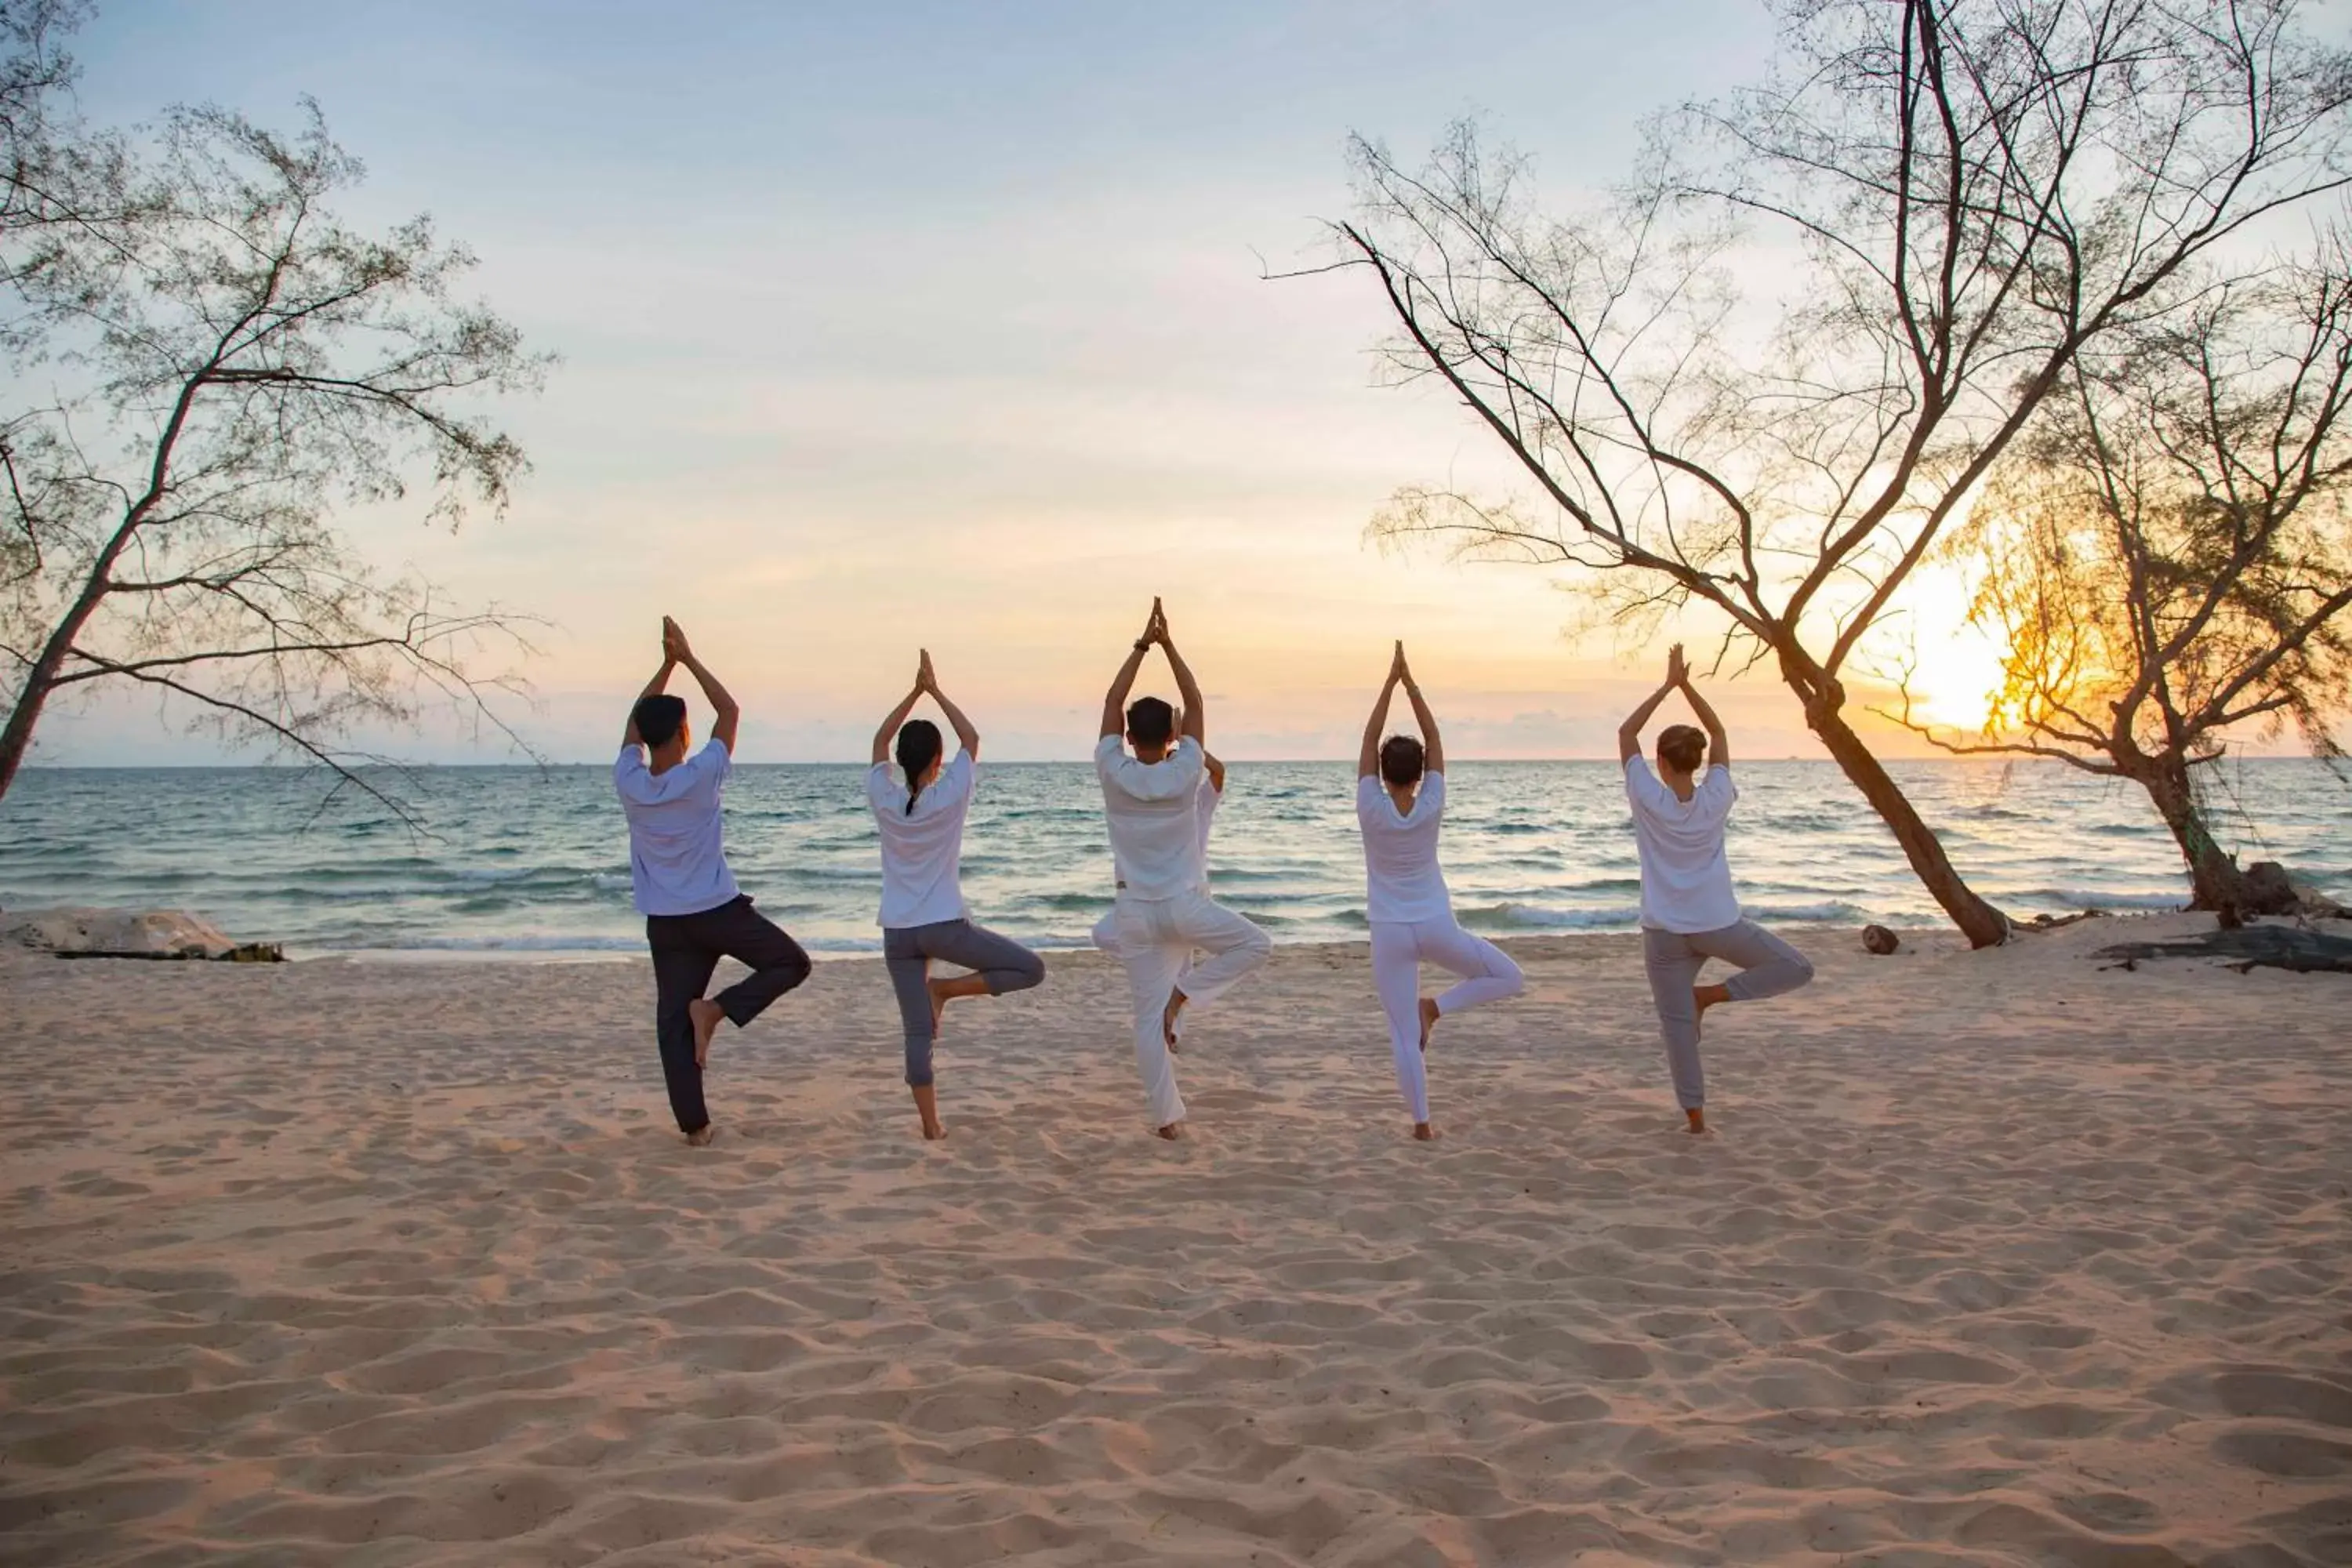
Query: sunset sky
x,y
947,327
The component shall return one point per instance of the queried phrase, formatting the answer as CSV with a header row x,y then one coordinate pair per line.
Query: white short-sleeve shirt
x,y
1401,881
677,865
1155,826
922,850
1685,877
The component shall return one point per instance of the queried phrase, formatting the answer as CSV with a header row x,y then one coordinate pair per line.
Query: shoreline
x,y
1916,940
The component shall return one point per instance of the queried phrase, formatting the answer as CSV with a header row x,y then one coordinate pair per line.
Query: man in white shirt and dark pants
x,y
677,869
1163,911
1690,912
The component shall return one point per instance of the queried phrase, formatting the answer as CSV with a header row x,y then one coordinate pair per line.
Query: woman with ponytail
x,y
1400,805
919,806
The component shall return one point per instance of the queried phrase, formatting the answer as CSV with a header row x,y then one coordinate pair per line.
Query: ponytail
x,y
918,747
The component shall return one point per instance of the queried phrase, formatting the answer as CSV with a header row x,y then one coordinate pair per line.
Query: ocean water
x,y
526,861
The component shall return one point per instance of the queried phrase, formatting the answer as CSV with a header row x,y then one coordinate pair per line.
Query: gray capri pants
x,y
1767,966
1005,963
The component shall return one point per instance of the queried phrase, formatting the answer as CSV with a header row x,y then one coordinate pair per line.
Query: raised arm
x,y
966,736
1629,733
1368,759
1432,750
882,737
1719,744
1114,714
1187,690
654,687
1216,771
727,715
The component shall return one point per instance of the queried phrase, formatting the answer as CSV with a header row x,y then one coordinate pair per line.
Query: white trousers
x,y
1398,950
1156,938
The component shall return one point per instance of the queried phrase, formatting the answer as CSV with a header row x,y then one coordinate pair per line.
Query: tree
x,y
224,364
1960,198
2169,558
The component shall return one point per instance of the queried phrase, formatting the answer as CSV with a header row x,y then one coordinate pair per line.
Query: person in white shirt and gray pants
x,y
1163,911
921,817
1689,913
1400,806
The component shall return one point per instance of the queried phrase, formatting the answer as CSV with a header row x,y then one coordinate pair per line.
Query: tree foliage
x,y
2167,560
209,367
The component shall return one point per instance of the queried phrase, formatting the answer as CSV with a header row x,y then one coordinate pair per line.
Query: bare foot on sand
x,y
1423,1131
700,1137
705,1014
1698,1122
1705,996
1172,1131
1170,1028
927,1106
1428,1021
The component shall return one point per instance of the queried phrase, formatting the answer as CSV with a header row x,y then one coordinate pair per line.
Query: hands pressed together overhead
x,y
1155,627
1399,672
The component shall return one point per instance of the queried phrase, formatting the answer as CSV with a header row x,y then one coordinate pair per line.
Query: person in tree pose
x,y
1163,911
1689,913
1400,806
920,815
1207,796
694,912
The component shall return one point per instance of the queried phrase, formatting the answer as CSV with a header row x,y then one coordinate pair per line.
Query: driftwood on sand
x,y
130,934
2254,946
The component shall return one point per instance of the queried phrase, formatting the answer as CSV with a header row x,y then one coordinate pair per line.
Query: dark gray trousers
x,y
686,949
1005,963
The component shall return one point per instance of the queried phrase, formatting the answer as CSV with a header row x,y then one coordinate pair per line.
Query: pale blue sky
x,y
943,324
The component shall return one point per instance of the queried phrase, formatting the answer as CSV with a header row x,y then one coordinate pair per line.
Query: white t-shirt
x,y
1686,879
921,851
676,864
1156,835
1401,881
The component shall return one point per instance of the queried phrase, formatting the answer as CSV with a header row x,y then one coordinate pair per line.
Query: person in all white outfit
x,y
1400,806
1690,912
1207,796
1163,911
921,816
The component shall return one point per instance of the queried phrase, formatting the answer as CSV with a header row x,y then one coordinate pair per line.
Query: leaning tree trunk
x,y
40,680
2216,881
1982,924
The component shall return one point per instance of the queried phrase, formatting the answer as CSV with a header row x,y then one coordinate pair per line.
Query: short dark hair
x,y
658,719
1684,746
1401,760
1149,722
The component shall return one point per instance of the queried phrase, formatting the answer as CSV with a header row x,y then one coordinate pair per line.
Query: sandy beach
x,y
1993,1259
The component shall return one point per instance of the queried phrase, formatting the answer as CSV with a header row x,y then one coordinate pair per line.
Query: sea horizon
x,y
522,859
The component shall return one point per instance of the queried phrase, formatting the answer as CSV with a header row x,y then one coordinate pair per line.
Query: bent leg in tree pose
x,y
695,914
1401,807
1690,912
921,816
1163,911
